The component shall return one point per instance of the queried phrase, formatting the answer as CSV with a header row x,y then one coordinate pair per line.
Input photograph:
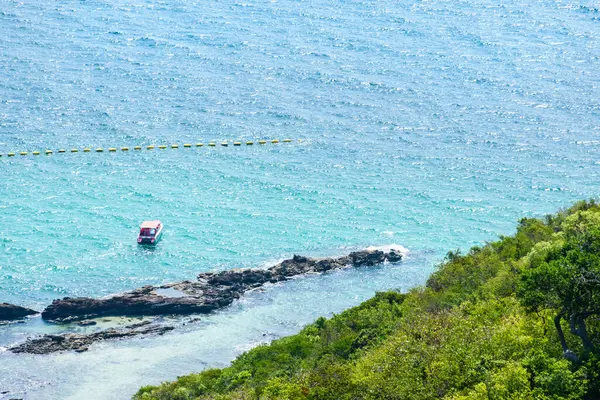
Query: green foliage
x,y
555,221
482,328
282,389
322,348
567,279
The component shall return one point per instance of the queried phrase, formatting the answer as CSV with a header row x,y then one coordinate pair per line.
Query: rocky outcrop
x,y
80,343
148,300
10,312
210,292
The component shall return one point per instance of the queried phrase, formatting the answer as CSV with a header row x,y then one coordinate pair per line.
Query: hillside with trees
x,y
518,318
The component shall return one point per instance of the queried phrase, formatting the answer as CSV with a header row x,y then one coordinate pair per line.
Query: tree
x,y
567,280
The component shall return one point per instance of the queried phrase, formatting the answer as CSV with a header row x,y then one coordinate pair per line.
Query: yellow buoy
x,y
275,141
74,150
99,150
187,145
249,143
262,141
137,148
199,144
237,143
23,153
36,153
211,144
48,151
124,148
11,154
150,147
61,150
162,147
287,140
87,150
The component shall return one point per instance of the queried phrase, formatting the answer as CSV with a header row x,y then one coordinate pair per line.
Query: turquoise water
x,y
433,125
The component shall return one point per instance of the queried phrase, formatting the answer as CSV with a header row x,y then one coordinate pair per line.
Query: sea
x,y
424,125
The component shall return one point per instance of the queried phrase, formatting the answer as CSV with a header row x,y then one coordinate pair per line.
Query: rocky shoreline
x,y
211,291
80,343
11,312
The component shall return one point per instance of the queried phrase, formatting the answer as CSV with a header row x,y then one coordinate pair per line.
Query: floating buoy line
x,y
151,147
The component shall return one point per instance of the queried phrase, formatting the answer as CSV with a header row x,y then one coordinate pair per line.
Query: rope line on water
x,y
151,147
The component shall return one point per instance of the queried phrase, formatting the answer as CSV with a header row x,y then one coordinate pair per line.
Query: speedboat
x,y
150,232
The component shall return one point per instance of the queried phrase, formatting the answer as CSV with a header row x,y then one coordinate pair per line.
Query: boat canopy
x,y
150,224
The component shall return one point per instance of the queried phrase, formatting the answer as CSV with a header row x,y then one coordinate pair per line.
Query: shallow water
x,y
434,125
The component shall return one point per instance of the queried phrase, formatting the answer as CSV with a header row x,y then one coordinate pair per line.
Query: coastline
x,y
210,292
487,324
258,317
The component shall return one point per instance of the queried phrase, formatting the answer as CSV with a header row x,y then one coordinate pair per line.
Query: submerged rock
x,y
139,324
80,343
9,312
210,292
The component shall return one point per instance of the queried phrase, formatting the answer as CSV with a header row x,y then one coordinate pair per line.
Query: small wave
x,y
270,263
386,248
590,10
147,41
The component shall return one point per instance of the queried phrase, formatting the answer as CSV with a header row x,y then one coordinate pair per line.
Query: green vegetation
x,y
515,319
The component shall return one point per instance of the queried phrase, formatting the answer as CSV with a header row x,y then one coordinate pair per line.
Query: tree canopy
x,y
567,280
513,319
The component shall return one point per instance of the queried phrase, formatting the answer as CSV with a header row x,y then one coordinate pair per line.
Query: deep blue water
x,y
430,124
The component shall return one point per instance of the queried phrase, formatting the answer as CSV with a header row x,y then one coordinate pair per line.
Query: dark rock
x,y
394,256
9,312
255,276
80,343
138,324
87,323
137,302
210,292
368,258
